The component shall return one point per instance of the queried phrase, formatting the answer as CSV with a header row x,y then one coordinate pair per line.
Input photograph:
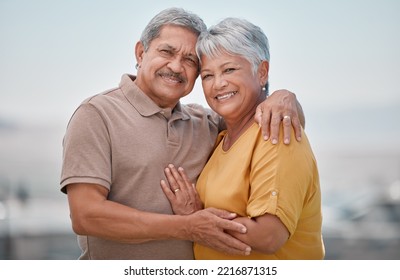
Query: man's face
x,y
169,68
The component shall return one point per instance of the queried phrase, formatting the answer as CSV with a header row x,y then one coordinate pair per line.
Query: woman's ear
x,y
263,69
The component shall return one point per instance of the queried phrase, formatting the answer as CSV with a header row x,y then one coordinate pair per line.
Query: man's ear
x,y
139,51
263,69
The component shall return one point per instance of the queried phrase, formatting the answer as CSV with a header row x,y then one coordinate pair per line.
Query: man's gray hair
x,y
173,16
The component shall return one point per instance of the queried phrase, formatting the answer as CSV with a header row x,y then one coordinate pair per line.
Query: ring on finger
x,y
286,117
176,190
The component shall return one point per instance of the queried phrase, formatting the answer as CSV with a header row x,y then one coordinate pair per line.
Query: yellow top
x,y
255,177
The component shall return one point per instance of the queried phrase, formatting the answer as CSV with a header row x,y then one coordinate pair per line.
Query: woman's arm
x,y
265,234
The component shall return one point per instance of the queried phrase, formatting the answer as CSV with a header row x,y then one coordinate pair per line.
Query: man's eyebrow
x,y
191,55
172,48
167,46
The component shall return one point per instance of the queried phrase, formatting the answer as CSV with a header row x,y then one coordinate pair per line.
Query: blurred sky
x,y
341,58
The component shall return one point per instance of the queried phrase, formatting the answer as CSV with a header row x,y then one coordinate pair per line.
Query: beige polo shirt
x,y
122,140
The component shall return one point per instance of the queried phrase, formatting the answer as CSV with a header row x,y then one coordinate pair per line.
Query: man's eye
x,y
169,52
192,61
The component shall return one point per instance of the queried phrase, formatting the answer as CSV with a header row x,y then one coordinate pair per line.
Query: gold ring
x,y
176,190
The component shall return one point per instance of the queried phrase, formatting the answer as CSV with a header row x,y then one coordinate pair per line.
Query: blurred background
x,y
341,58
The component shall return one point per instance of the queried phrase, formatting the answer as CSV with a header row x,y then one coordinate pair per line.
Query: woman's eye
x,y
205,76
229,70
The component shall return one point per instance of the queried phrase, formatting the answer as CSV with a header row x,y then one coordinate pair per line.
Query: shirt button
x,y
273,193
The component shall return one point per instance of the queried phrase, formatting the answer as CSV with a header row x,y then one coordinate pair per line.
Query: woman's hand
x,y
180,192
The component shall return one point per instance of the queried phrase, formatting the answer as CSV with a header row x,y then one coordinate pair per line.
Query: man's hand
x,y
207,227
280,106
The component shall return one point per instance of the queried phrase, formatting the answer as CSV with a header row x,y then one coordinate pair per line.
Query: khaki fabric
x,y
122,140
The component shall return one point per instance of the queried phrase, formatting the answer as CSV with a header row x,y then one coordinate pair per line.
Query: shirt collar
x,y
144,105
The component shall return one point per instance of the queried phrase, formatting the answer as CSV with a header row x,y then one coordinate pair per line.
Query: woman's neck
x,y
236,127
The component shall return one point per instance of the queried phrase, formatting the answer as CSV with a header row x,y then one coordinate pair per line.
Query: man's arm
x,y
93,214
280,106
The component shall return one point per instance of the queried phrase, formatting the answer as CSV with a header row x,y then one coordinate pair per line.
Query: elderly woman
x,y
274,189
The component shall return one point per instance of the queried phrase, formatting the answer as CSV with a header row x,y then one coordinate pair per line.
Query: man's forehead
x,y
174,27
177,33
175,41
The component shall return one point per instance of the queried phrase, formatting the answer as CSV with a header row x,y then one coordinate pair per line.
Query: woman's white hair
x,y
235,36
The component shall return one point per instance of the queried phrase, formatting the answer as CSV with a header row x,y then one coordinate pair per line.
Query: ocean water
x,y
360,195
31,158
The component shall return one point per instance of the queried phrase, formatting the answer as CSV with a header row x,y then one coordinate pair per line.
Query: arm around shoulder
x,y
281,106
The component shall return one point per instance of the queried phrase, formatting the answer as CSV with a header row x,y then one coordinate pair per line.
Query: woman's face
x,y
230,87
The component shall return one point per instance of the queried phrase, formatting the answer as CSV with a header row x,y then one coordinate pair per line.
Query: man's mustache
x,y
173,75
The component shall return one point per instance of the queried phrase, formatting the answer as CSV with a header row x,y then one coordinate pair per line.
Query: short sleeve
x,y
280,180
86,149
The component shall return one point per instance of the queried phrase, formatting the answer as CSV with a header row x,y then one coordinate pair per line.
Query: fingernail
x,y
247,251
266,137
244,230
170,165
298,138
180,168
274,141
286,141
